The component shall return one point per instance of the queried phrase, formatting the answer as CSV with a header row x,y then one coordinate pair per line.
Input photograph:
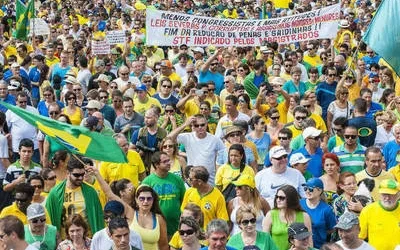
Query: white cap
x,y
15,65
198,49
311,132
297,158
277,152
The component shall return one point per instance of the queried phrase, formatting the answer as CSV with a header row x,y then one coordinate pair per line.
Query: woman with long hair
x,y
331,165
48,98
178,163
286,211
341,107
347,187
59,164
190,234
244,105
116,97
247,195
124,189
259,137
388,96
49,178
76,230
74,112
386,79
310,95
242,71
236,166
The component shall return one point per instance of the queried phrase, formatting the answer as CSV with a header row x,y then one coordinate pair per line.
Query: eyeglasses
x,y
115,101
51,178
124,74
213,64
21,102
310,189
103,97
169,111
77,89
47,95
186,232
71,98
34,221
315,138
299,118
165,146
199,125
246,222
76,175
167,86
277,69
37,186
280,158
211,90
237,134
274,117
142,198
350,136
281,198
227,81
283,138
332,75
54,113
288,65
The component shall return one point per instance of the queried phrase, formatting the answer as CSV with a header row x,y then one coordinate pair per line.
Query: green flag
x,y
23,17
76,139
383,33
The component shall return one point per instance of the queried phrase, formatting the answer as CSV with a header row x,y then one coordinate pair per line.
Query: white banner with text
x,y
165,28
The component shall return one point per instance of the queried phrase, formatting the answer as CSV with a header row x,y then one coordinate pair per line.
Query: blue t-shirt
x,y
322,220
315,163
325,95
151,139
262,144
216,77
258,80
366,130
164,101
10,99
290,88
43,109
375,107
390,152
34,76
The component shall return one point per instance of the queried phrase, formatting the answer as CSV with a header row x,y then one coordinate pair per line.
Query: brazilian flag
x,y
75,139
23,15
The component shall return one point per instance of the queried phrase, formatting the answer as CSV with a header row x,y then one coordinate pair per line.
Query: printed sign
x,y
165,28
38,27
115,37
100,47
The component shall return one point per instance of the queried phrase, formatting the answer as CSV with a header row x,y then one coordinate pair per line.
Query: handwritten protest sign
x,y
169,28
115,36
38,26
100,47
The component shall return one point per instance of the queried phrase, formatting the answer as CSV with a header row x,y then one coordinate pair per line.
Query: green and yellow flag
x,y
75,139
23,15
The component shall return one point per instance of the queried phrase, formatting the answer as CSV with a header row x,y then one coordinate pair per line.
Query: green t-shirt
x,y
263,241
49,242
170,190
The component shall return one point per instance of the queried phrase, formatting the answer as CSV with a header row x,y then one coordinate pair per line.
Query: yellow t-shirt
x,y
74,202
190,108
50,62
212,204
395,171
142,107
312,60
319,122
13,210
380,226
282,109
295,131
226,173
116,171
173,77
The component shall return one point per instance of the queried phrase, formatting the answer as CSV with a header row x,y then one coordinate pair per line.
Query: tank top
x,y
75,117
48,241
236,229
279,229
176,168
149,237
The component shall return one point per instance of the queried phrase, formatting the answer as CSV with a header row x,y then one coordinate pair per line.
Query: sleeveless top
x,y
75,117
48,241
149,237
176,168
236,228
279,229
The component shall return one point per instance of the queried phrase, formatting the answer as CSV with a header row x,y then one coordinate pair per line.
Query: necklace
x,y
248,240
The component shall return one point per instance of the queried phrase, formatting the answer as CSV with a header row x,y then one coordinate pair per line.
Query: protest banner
x,y
38,26
115,37
100,47
165,28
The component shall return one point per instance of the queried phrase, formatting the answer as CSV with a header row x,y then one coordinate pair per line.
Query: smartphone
x,y
199,92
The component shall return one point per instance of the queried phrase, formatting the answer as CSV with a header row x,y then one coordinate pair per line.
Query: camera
x,y
143,147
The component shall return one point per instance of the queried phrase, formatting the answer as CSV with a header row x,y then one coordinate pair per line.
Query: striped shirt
x,y
15,170
350,162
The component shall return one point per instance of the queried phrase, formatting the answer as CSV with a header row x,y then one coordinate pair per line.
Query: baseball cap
x,y
298,231
114,207
141,87
245,180
15,65
311,132
199,50
103,78
93,104
232,129
347,220
166,63
277,152
114,51
389,186
314,182
99,63
298,158
35,210
14,84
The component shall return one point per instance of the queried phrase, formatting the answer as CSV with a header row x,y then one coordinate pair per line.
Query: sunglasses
x,y
71,98
169,111
299,118
142,199
54,113
186,232
165,146
332,75
237,134
307,106
282,138
77,89
22,102
52,178
281,198
34,221
350,136
275,117
213,64
167,86
246,222
46,95
310,189
76,175
281,158
199,125
103,97
37,186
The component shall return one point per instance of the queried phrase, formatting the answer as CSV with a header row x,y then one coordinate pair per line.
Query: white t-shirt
x,y
83,78
225,122
268,182
364,246
20,129
101,240
3,155
202,152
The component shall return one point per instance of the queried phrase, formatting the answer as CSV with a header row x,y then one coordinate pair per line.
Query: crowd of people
x,y
282,146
